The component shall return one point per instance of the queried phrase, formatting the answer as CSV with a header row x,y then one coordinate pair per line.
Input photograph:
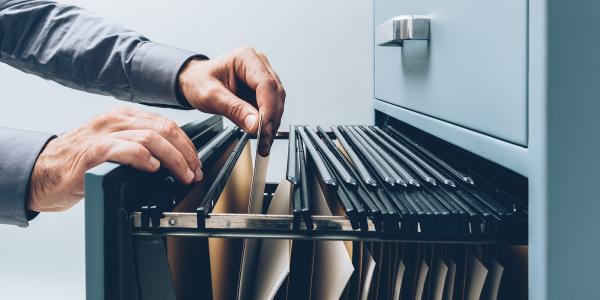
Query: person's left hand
x,y
233,85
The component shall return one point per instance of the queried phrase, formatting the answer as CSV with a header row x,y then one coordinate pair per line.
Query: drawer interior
x,y
175,250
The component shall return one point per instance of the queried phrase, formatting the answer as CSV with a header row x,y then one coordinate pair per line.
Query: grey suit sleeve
x,y
82,50
19,150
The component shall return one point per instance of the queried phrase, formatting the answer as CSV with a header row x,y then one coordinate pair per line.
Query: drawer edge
x,y
511,156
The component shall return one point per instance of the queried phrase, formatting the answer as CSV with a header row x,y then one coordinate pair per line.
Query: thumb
x,y
240,112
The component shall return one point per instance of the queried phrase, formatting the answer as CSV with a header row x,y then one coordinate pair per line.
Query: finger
x,y
169,156
181,141
264,58
170,131
270,96
123,152
225,103
266,61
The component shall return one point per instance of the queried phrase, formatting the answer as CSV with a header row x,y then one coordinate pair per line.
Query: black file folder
x,y
389,187
406,201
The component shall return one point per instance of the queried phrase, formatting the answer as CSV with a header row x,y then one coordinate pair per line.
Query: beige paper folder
x,y
333,264
398,280
189,258
368,269
251,247
225,254
476,274
202,267
440,270
274,255
450,280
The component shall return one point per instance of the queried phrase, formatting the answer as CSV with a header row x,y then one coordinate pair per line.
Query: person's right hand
x,y
142,140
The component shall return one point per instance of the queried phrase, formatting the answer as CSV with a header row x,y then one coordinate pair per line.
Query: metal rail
x,y
223,225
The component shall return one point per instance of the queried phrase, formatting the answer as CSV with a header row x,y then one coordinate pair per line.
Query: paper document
x,y
251,246
274,258
421,277
399,277
332,265
438,279
450,279
259,175
493,283
476,274
368,269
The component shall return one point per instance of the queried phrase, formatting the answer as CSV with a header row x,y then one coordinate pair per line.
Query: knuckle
x,y
246,49
182,164
101,148
102,120
282,93
146,136
123,110
235,109
211,92
140,152
167,127
271,84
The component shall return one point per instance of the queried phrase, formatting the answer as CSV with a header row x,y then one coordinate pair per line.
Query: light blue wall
x,y
321,49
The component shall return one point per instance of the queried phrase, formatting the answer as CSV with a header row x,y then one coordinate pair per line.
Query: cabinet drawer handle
x,y
395,31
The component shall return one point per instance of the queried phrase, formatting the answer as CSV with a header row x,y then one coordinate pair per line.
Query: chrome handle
x,y
395,31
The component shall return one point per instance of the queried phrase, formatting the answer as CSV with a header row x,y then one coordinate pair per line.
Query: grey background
x,y
321,49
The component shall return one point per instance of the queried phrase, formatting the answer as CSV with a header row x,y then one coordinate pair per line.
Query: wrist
x,y
182,79
42,177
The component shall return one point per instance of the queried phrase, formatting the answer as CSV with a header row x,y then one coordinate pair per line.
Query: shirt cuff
x,y
155,69
18,154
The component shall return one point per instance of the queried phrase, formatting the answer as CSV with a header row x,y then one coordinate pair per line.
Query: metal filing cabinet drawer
x,y
472,71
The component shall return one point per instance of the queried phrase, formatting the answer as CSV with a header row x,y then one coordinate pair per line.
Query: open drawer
x,y
385,188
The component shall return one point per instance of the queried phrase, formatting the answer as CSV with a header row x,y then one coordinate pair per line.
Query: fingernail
x,y
199,174
269,129
189,176
249,121
154,162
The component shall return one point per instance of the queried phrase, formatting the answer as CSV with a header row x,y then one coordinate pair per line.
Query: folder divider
x,y
350,190
423,174
414,156
362,171
306,210
432,157
293,176
376,143
331,158
390,216
367,156
212,195
323,171
292,160
378,156
364,190
173,191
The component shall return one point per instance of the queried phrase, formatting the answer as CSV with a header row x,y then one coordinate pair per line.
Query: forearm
x,y
19,150
82,50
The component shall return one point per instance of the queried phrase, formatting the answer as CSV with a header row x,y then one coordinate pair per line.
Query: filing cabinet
x,y
510,85
472,71
516,83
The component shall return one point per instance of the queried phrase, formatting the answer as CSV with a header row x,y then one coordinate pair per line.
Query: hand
x,y
233,85
128,136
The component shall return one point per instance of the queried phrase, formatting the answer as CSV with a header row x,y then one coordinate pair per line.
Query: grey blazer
x,y
80,50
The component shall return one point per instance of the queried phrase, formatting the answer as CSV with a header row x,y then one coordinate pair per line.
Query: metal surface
x,y
395,31
472,72
258,142
281,227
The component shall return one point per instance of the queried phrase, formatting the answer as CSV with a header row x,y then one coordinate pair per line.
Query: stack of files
x,y
381,175
381,180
